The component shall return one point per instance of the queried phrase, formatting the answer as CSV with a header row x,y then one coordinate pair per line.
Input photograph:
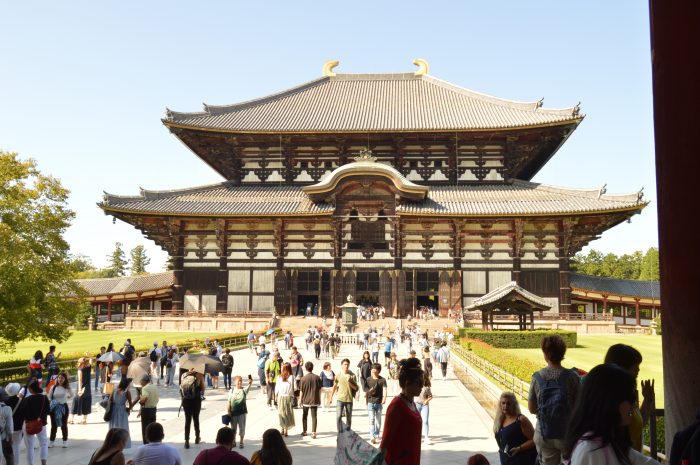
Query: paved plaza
x,y
459,426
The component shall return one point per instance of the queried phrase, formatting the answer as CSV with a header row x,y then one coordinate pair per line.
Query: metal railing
x,y
213,314
476,315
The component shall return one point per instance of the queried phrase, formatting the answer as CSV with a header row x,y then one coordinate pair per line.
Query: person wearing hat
x,y
12,392
6,428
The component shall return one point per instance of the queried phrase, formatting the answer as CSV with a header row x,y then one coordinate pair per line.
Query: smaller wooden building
x,y
509,299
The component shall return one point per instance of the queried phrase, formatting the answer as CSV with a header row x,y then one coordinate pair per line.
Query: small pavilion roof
x,y
613,286
373,102
508,295
127,284
521,198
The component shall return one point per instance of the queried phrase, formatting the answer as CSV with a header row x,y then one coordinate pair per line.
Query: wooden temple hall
x,y
402,190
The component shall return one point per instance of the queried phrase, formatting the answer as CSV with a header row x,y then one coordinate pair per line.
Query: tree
x,y
117,262
39,298
649,267
139,260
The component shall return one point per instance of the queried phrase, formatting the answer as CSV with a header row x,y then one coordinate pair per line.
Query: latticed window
x,y
367,281
427,281
367,235
307,281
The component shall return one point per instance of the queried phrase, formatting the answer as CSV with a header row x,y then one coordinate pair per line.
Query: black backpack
x,y
189,387
153,355
553,409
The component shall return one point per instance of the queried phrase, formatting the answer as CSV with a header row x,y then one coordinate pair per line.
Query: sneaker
x,y
65,444
51,444
428,442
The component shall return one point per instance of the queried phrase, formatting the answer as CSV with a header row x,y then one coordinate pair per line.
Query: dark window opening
x,y
367,281
427,281
307,281
326,281
409,282
367,235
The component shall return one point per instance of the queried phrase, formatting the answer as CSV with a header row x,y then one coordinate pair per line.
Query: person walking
x,y
51,362
423,405
346,385
121,407
401,442
443,356
428,361
227,362
272,372
251,341
154,357
514,433
154,451
12,390
162,367
273,451
35,366
191,391
100,370
6,428
238,408
296,361
59,394
262,355
222,453
35,406
375,393
111,452
327,377
284,388
82,402
310,386
552,396
170,364
149,404
364,369
317,346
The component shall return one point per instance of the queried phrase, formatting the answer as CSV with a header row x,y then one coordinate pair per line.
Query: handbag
x,y
226,419
108,409
35,426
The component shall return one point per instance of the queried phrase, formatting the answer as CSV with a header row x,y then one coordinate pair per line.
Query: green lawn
x,y
90,341
591,352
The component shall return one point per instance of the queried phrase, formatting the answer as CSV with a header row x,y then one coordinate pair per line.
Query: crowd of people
x,y
586,418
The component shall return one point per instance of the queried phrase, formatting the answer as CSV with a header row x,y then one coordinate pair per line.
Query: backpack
x,y
3,424
262,358
553,409
153,355
189,387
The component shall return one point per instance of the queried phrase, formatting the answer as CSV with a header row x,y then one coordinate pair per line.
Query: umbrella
x,y
139,367
269,331
110,357
201,363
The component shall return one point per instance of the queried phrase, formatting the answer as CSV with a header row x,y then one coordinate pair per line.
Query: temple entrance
x,y
427,305
307,305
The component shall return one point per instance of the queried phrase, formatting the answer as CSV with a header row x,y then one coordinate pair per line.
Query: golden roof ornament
x,y
328,67
365,155
423,67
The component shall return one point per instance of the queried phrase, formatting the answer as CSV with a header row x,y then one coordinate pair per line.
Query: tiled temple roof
x,y
613,286
373,102
509,291
127,284
518,198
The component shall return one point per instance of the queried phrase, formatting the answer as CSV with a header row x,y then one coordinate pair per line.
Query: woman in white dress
x,y
284,389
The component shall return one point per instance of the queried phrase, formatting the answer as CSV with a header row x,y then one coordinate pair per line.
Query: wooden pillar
x,y
675,71
623,310
178,271
564,285
222,275
138,301
109,309
636,312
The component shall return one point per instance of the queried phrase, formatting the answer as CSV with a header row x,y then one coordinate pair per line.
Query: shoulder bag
x,y
35,426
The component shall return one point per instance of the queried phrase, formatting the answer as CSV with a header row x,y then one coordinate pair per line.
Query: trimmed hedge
x,y
521,367
511,339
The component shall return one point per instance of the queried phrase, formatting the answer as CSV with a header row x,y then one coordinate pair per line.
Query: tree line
x,y
637,265
117,263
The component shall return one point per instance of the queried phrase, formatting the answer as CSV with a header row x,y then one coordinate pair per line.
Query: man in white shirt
x,y
155,452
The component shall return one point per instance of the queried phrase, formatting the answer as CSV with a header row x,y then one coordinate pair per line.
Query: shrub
x,y
657,320
510,339
521,367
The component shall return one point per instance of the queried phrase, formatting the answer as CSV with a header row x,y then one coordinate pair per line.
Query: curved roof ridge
x,y
595,193
520,105
147,194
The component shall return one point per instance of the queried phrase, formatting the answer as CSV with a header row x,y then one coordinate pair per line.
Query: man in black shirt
x,y
375,390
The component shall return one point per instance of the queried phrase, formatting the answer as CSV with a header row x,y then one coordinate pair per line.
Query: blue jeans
x,y
374,413
375,357
424,414
348,414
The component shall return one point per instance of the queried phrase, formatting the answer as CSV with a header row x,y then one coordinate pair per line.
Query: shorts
x,y
387,354
238,422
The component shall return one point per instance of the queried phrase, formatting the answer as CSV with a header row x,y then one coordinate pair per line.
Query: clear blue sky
x,y
83,85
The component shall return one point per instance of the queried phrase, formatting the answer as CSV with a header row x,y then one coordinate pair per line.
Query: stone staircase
x,y
299,324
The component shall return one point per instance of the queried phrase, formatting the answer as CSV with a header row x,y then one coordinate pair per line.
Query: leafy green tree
x,y
117,262
36,274
139,260
649,268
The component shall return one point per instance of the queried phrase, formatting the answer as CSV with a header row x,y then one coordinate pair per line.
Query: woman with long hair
x,y
121,407
514,433
59,394
423,405
35,366
402,426
36,406
273,451
284,388
111,450
393,377
82,402
628,358
327,379
365,367
597,432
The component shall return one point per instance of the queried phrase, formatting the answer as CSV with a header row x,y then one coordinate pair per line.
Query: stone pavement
x,y
459,427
